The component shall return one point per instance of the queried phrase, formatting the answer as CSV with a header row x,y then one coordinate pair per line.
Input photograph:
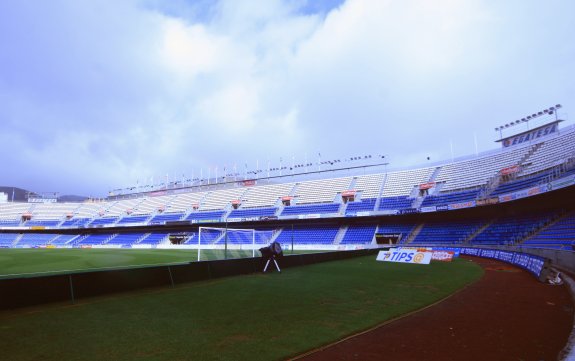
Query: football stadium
x,y
287,180
177,271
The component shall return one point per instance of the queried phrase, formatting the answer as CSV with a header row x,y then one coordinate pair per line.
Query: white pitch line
x,y
94,269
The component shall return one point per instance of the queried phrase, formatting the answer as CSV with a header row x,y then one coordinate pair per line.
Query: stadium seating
x,y
321,191
166,217
205,216
450,198
35,239
477,171
518,184
402,183
360,206
93,239
403,230
446,233
395,203
560,235
359,234
7,239
308,235
369,185
557,147
218,200
126,239
266,196
63,239
75,222
153,239
511,230
9,223
42,223
252,212
133,219
311,209
103,221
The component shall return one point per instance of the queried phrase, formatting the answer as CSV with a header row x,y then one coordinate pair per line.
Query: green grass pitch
x,y
31,262
254,317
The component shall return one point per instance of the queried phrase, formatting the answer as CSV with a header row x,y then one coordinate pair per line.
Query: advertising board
x,y
404,256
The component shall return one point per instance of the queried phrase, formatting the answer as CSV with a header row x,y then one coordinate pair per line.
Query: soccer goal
x,y
224,243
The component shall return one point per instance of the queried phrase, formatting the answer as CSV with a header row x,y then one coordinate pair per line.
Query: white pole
x,y
253,243
475,139
199,241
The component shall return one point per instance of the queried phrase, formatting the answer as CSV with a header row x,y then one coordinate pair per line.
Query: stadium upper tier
x,y
495,176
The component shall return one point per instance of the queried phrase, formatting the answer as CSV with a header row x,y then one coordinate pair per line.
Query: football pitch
x,y
250,317
31,262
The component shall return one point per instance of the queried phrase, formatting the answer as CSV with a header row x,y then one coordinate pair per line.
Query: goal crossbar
x,y
223,233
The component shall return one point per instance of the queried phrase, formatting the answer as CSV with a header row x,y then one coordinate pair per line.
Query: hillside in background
x,y
15,194
21,195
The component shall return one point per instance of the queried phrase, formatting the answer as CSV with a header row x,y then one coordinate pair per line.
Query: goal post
x,y
224,243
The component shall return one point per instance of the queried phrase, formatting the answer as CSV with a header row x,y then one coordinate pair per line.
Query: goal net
x,y
225,243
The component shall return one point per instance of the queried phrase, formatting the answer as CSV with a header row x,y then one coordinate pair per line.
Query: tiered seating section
x,y
314,235
476,172
359,234
449,233
321,191
311,209
360,206
559,235
511,230
395,203
252,212
449,198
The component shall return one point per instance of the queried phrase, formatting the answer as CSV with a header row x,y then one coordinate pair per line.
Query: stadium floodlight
x,y
549,111
270,253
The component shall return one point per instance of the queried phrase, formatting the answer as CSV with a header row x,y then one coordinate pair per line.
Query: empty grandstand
x,y
325,212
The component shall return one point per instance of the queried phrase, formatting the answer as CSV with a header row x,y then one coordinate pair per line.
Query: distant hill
x,y
21,195
72,198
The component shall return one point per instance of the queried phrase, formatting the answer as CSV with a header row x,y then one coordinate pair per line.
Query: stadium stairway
x,y
139,240
342,208
414,233
434,174
340,234
17,240
418,200
380,193
559,217
529,153
467,242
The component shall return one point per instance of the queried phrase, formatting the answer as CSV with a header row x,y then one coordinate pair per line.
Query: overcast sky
x,y
97,95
